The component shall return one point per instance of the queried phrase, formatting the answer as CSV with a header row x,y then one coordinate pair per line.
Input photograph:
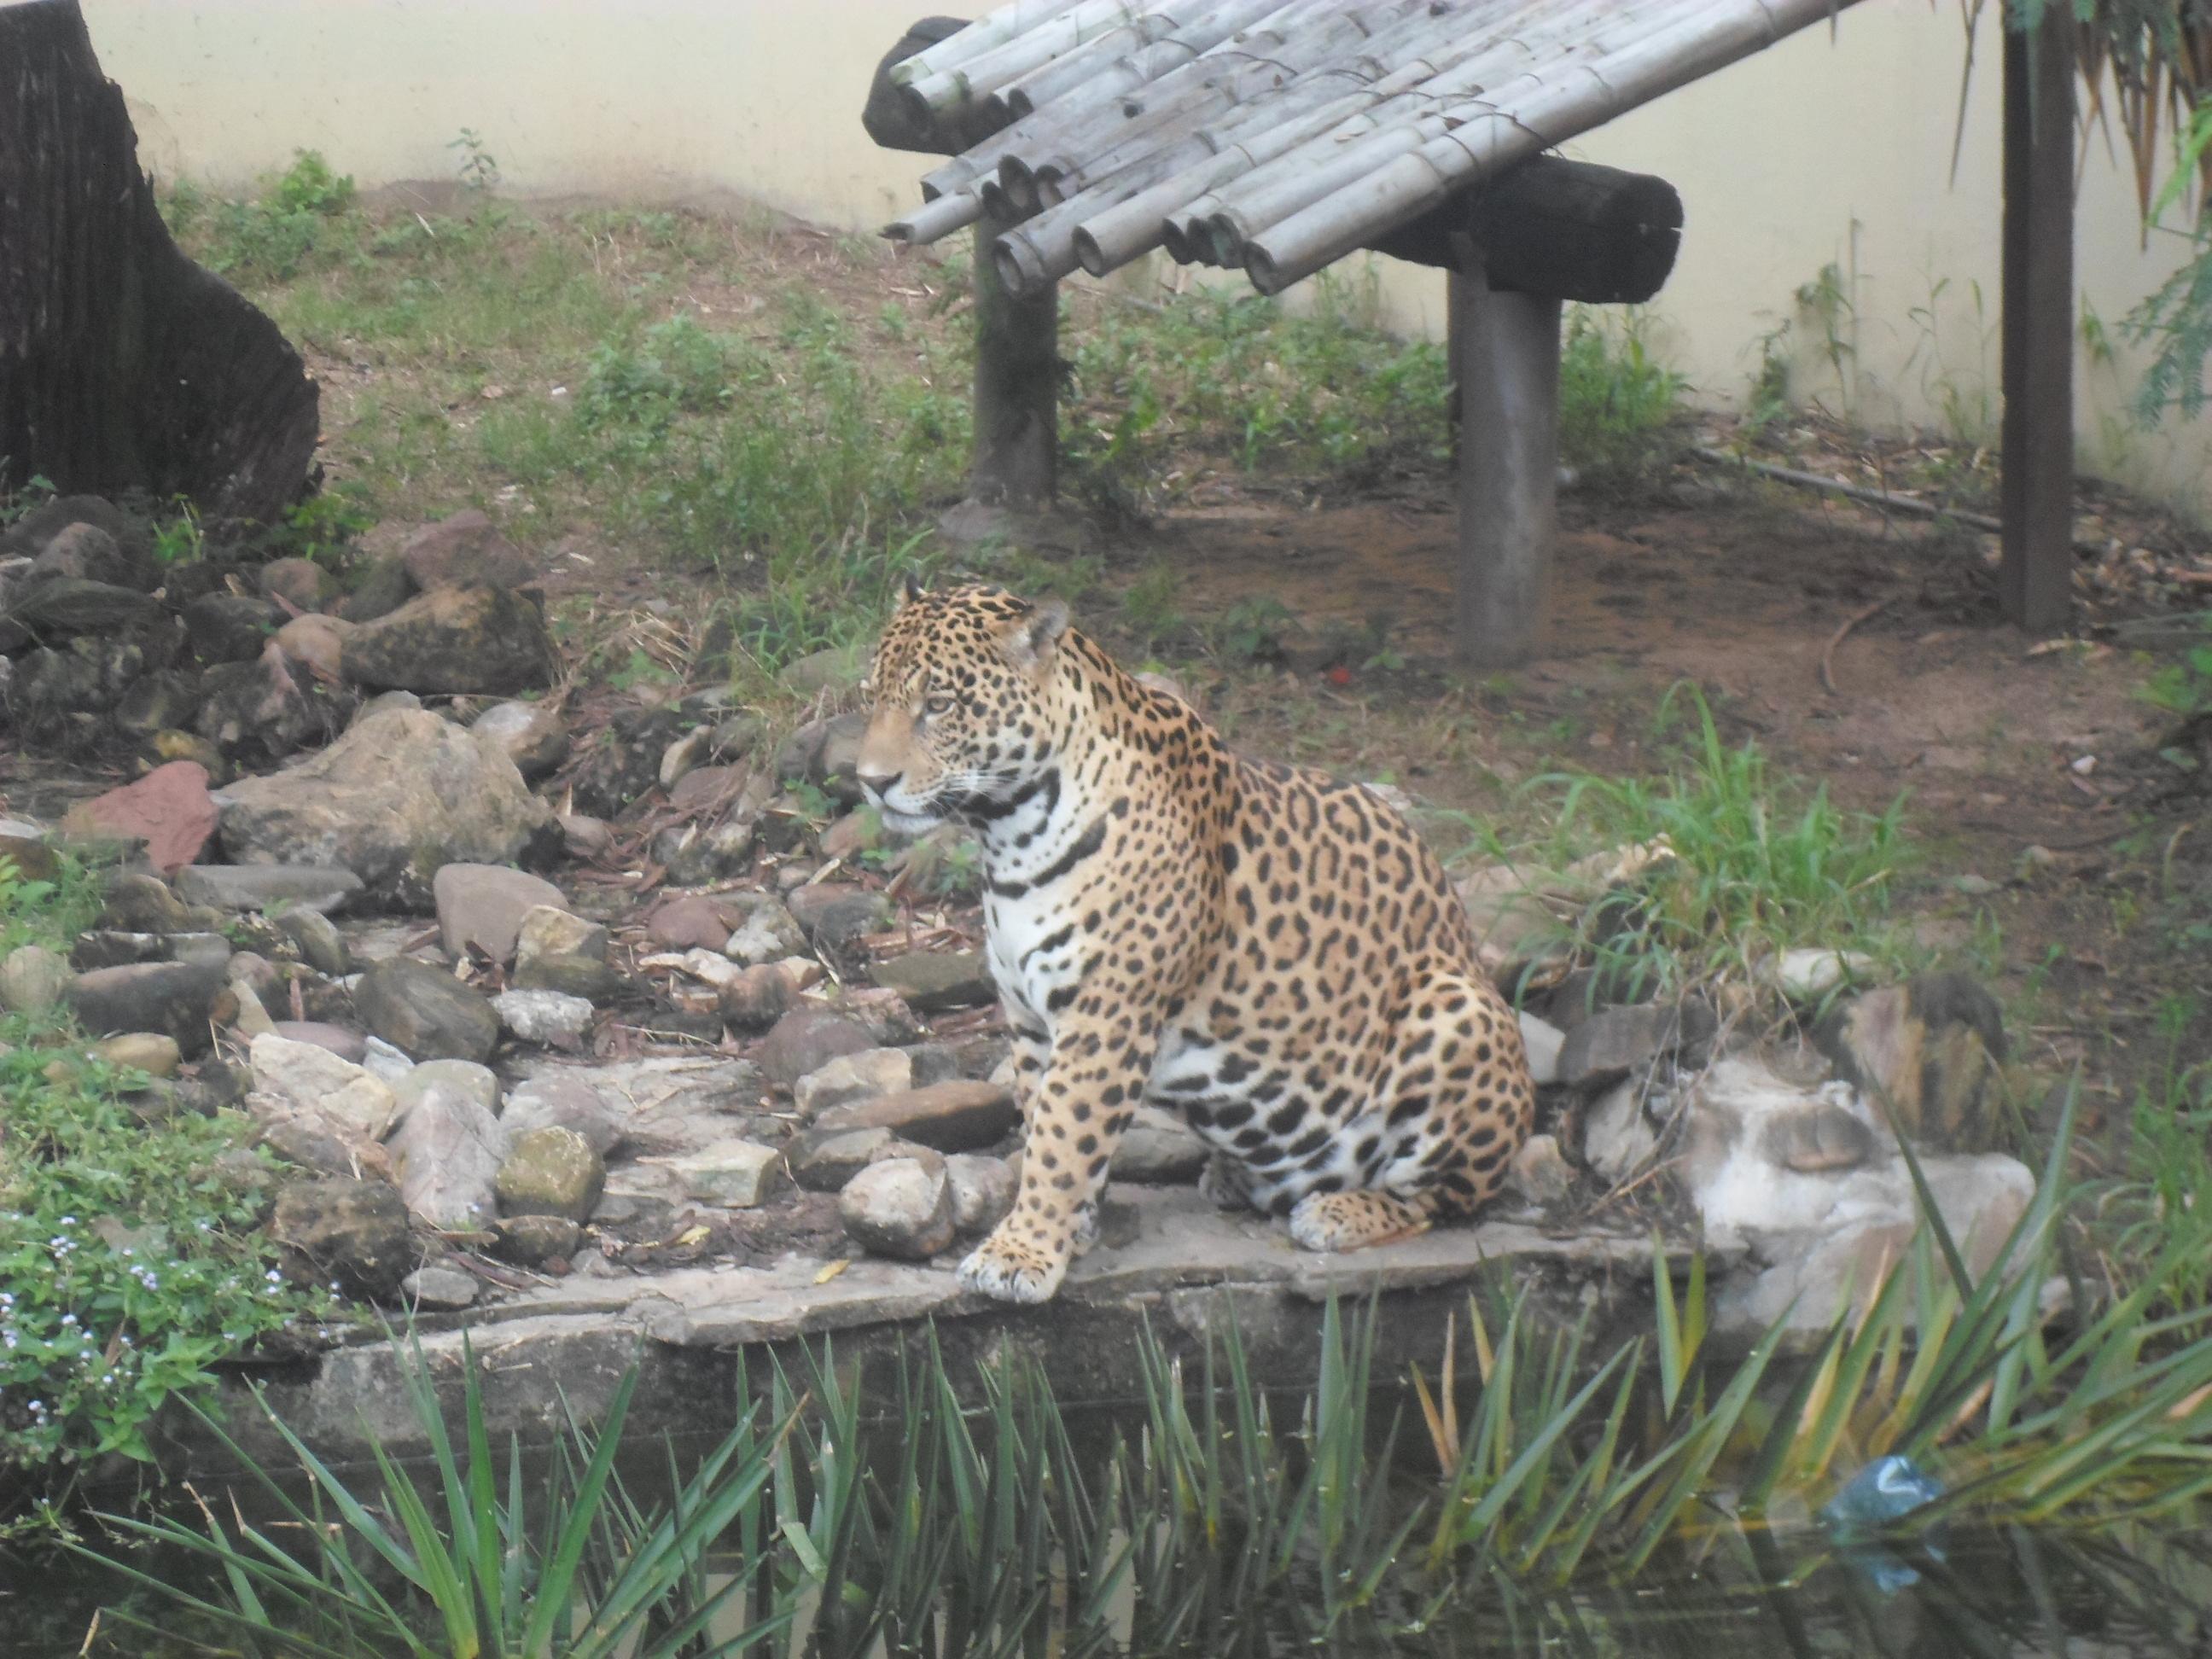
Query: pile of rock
x,y
230,659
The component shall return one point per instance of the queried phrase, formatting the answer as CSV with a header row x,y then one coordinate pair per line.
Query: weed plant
x,y
1217,1519
130,1261
1617,401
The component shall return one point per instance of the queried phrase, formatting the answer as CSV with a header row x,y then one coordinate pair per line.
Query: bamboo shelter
x,y
1275,137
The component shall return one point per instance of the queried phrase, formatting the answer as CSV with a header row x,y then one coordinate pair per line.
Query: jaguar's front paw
x,y
1011,1270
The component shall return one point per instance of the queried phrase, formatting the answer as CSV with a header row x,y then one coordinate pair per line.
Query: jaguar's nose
x,y
877,783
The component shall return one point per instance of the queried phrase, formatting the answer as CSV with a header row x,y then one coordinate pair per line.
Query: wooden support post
x,y
2036,582
1016,386
1506,362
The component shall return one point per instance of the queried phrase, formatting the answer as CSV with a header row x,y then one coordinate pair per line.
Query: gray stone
x,y
448,1147
1541,1042
104,949
549,1019
481,907
180,999
959,979
229,626
530,1240
88,553
384,1062
316,938
1615,1042
139,903
836,928
324,887
1807,976
425,1012
948,1117
465,551
806,1040
822,671
982,1190
697,855
565,1100
862,1075
305,1080
352,1233
557,952
316,643
396,798
531,734
33,979
1541,1174
71,605
1159,1149
550,1171
454,640
440,1290
824,1162
767,932
583,837
349,1046
1823,1137
739,1174
900,1208
1616,1139
301,583
757,998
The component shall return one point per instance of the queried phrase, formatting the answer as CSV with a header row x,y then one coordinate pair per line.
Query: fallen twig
x,y
1828,656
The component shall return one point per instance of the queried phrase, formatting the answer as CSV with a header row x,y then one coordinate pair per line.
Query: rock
x,y
36,531
622,759
947,1117
899,1208
425,1012
558,951
696,855
1617,1138
180,999
1821,1138
465,551
824,1162
565,1100
1541,1174
454,640
307,1081
740,1174
349,1046
150,1052
856,832
88,553
439,1290
1541,1042
528,1240
399,796
1932,1049
160,701
252,1020
532,736
319,887
301,583
550,1171
548,1018
169,809
139,903
448,1146
316,939
27,856
584,838
706,792
837,928
1808,976
982,1190
70,605
959,979
1159,1149
692,921
317,643
806,1040
352,1233
160,747
481,907
104,948
384,1062
1615,1042
757,998
229,626
764,931
259,708
822,671
380,587
862,1075
685,755
33,979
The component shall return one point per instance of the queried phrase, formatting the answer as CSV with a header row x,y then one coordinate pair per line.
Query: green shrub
x,y
1616,400
298,216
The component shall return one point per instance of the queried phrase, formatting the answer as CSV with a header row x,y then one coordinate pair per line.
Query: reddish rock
x,y
691,921
465,551
168,808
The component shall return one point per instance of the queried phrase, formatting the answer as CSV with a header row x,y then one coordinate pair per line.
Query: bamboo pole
x,y
1149,58
992,30
1510,129
1067,28
938,218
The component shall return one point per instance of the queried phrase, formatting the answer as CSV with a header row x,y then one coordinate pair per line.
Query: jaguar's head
x,y
961,704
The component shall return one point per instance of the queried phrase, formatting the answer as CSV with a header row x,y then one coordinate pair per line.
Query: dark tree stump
x,y
125,367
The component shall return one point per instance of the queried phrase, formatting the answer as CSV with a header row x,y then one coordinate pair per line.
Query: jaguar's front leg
x,y
1093,1077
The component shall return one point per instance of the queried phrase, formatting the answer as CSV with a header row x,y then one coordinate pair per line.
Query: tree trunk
x,y
125,367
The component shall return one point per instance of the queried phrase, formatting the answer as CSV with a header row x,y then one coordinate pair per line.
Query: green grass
x,y
2161,1195
1617,401
130,1261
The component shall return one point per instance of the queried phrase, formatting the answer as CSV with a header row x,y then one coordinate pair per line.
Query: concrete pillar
x,y
1505,352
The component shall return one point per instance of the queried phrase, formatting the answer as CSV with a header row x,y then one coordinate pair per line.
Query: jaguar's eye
x,y
938,704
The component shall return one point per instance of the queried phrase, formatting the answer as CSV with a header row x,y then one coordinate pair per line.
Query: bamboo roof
x,y
1278,135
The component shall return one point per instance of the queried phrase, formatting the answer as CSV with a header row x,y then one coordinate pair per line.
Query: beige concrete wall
x,y
1820,152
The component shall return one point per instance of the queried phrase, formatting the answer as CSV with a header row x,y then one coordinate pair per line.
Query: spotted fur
x,y
1272,953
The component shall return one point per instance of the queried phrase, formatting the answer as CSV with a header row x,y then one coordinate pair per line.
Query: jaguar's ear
x,y
1035,634
914,589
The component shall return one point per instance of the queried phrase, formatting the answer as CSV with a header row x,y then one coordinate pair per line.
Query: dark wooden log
x,y
1017,384
1505,360
1568,229
2035,581
124,366
894,122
